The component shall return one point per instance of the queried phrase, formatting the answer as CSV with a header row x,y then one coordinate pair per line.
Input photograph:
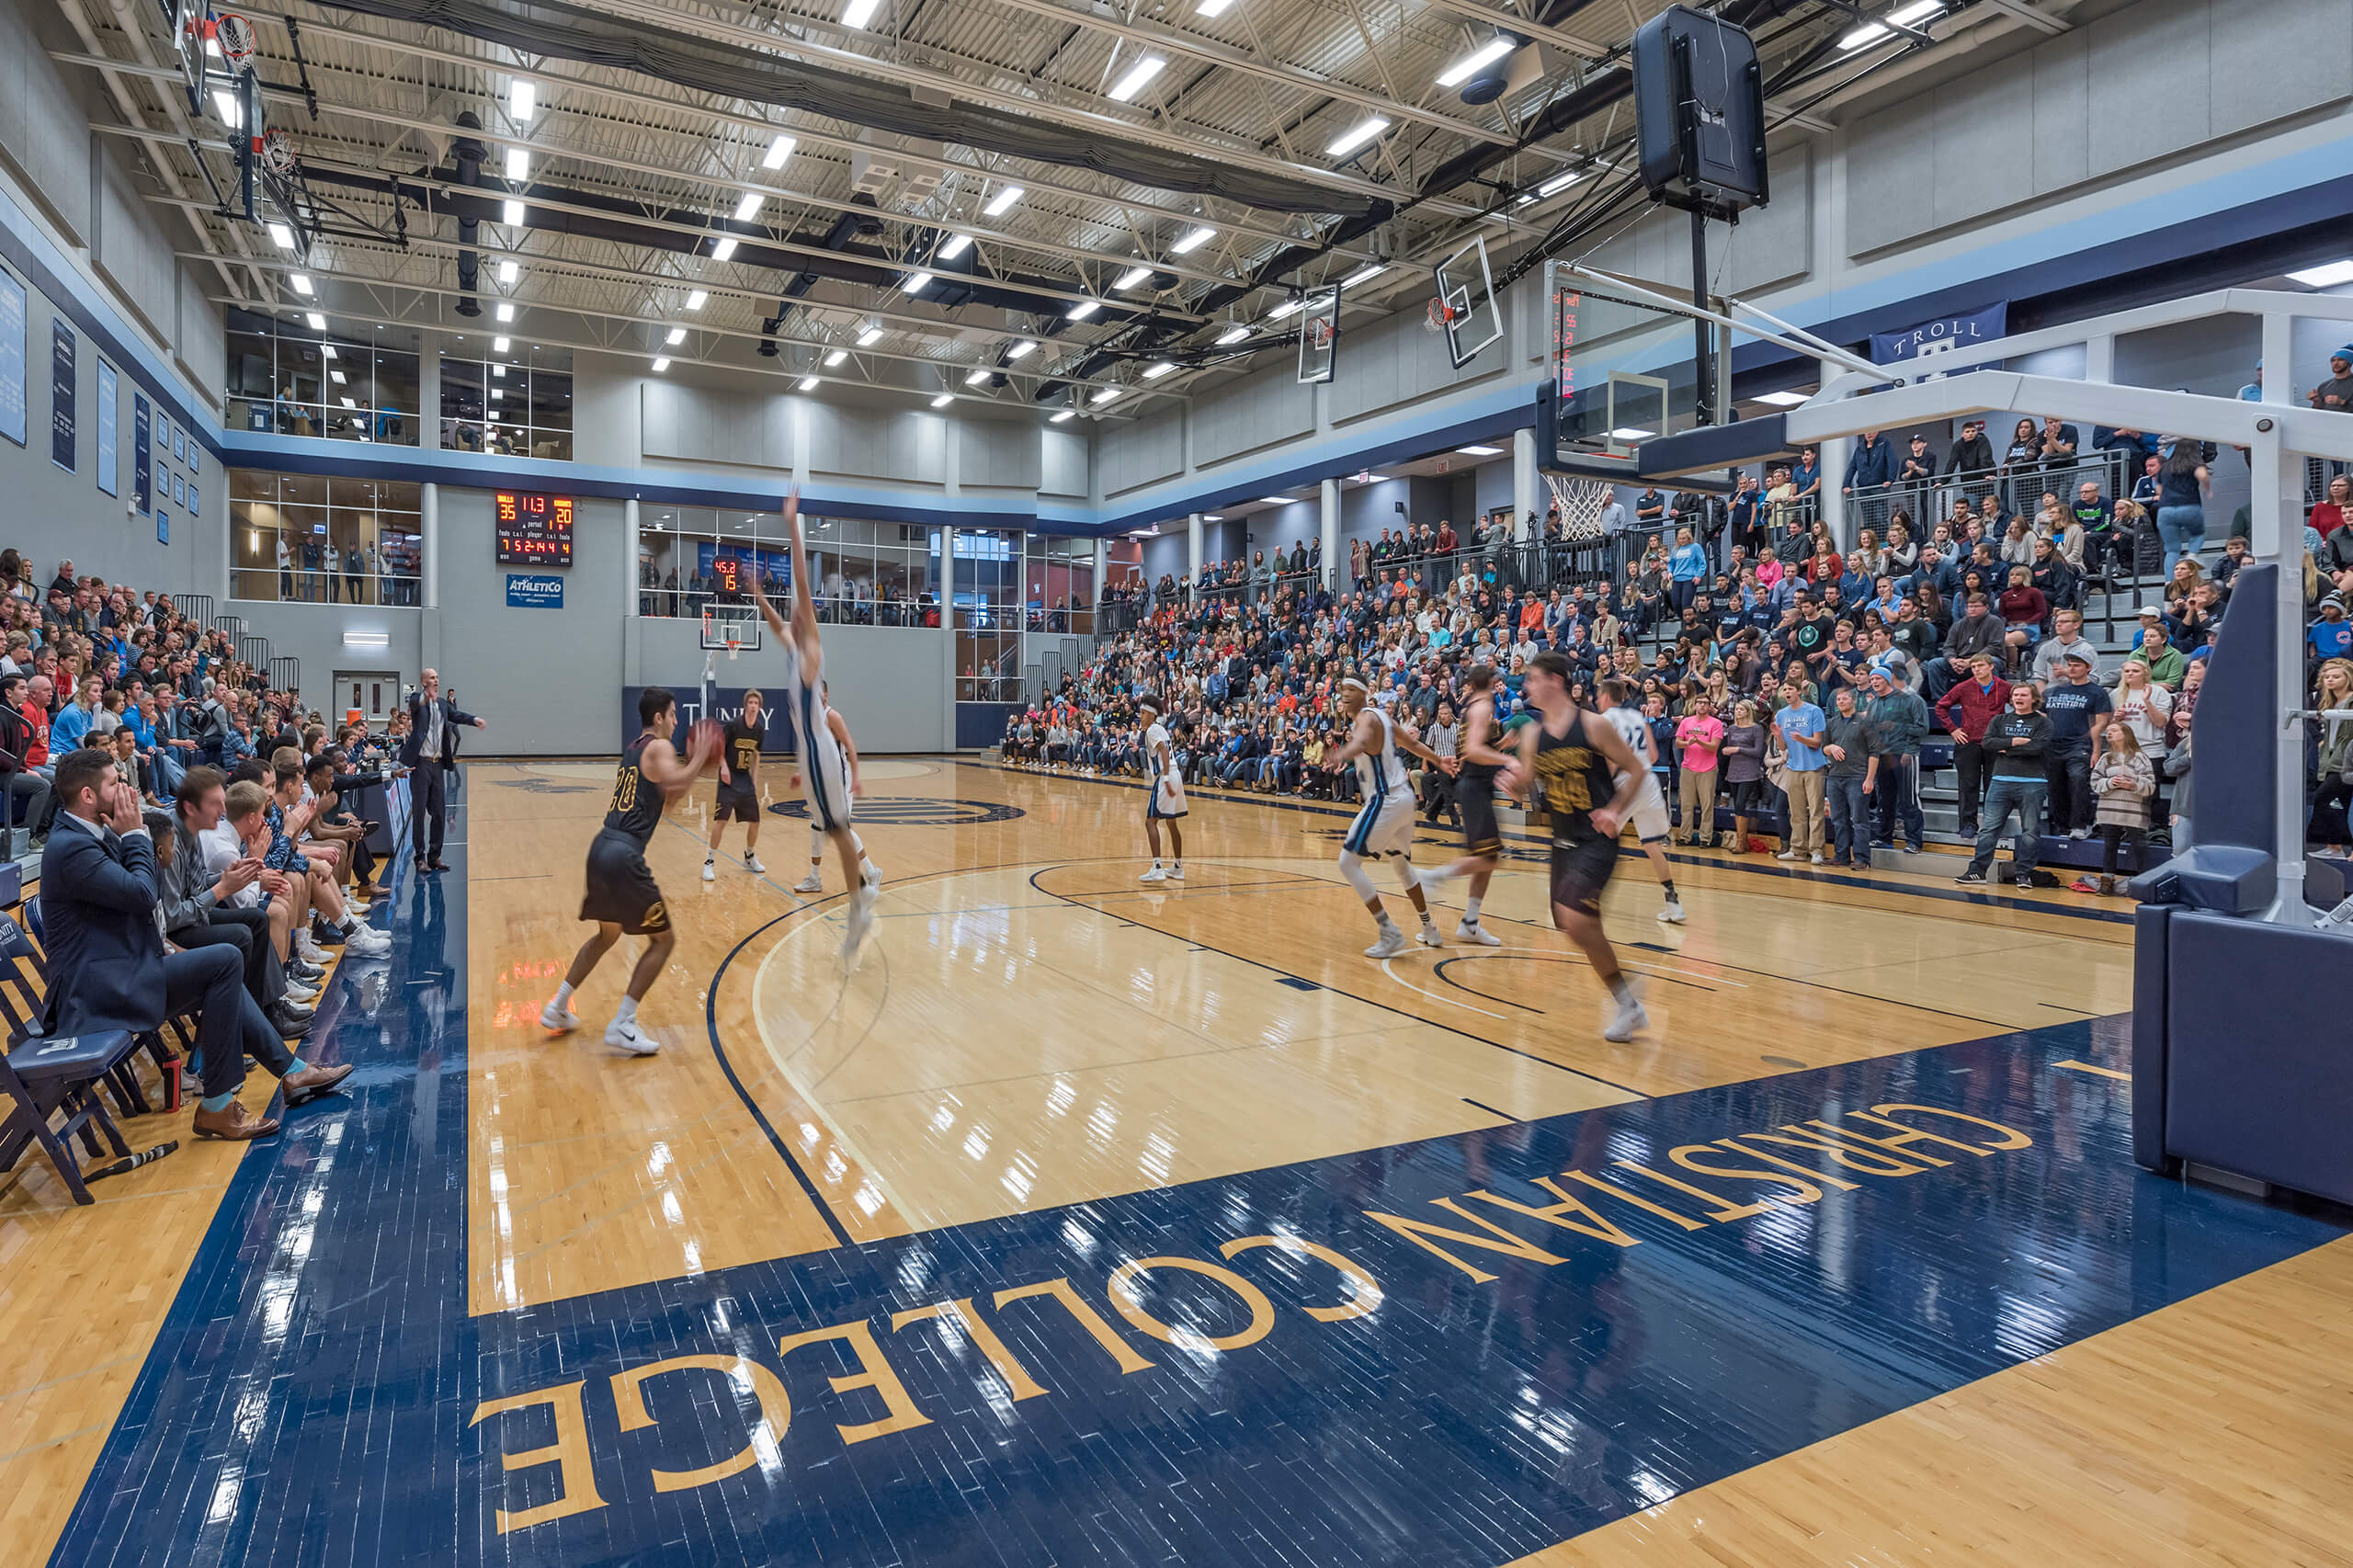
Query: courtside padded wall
x,y
595,37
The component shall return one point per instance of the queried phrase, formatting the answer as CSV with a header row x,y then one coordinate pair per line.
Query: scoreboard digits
x,y
534,529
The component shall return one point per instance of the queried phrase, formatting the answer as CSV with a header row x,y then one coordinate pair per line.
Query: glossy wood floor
x,y
1031,1027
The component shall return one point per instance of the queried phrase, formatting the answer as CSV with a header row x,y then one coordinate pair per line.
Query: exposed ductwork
x,y
468,154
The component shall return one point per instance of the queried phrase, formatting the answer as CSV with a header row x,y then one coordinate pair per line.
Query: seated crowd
x,y
200,859
1787,683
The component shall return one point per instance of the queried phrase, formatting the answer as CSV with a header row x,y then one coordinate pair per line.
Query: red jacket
x,y
1977,707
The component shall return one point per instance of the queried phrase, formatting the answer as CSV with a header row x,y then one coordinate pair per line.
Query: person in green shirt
x,y
2165,661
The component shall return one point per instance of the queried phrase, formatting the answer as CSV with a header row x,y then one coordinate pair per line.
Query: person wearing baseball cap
x,y
2337,393
2076,705
2331,636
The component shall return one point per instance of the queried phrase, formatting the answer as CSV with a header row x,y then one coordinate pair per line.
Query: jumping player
x,y
1385,824
850,789
621,893
1164,801
739,788
1651,825
1474,800
822,775
1576,758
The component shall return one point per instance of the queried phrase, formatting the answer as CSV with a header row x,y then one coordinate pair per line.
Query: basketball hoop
x,y
722,632
1438,315
277,154
238,40
1582,502
1319,333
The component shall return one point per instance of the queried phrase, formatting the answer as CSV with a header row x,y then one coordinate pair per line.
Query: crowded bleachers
x,y
193,867
2033,569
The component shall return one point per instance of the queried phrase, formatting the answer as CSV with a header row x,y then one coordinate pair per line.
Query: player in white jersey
x,y
1385,824
846,788
821,773
1649,815
1164,801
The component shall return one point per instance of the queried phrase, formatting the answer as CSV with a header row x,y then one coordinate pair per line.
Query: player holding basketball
x,y
823,776
1577,758
1474,800
851,789
739,787
1649,810
621,894
1385,824
1164,801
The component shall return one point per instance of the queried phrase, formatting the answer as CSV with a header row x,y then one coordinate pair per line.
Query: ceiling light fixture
x,y
779,150
500,345
1021,350
1109,394
833,361
808,383
943,400
518,164
337,377
509,271
697,299
869,337
1919,11
226,103
857,13
660,364
1233,334
977,376
281,236
1276,500
1003,200
917,283
2325,277
1784,398
1131,83
1494,49
1213,8
522,97
1165,368
1481,451
1193,241
1065,414
1357,136
314,321
1084,308
749,204
723,248
1628,433
349,404
954,247
1362,276
301,285
505,310
677,335
510,212
1288,308
1131,278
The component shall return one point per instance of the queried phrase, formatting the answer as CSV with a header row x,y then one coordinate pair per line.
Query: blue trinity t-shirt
x,y
2073,708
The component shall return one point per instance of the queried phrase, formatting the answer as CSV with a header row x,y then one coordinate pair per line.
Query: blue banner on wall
x,y
528,591
142,471
1943,335
110,463
61,394
12,357
724,702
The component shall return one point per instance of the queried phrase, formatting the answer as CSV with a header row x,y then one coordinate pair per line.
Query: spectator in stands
x,y
2331,820
1870,465
2183,486
107,969
1971,460
1699,735
1688,567
1847,778
2124,783
2160,662
2336,391
2066,640
78,718
1801,726
2023,610
1916,471
2331,636
1969,710
22,750
201,907
1898,722
2075,708
2016,741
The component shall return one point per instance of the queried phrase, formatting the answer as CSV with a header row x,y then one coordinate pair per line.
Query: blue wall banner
x,y
1943,335
142,470
110,463
12,357
530,591
61,394
721,702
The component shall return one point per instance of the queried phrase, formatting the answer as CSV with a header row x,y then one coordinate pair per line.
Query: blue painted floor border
x,y
1577,1318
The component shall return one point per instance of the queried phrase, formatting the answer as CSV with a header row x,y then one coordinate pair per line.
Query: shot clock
x,y
534,531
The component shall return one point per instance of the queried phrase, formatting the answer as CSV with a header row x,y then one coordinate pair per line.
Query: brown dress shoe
x,y
312,1082
233,1122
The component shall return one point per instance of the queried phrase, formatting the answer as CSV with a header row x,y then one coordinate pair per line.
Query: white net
x,y
1580,502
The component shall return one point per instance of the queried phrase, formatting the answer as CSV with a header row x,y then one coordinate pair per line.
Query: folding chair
x,y
46,1078
124,1077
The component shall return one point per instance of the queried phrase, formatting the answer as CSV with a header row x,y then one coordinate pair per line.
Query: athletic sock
x,y
1619,988
1471,910
1669,886
216,1102
563,997
1388,926
627,1012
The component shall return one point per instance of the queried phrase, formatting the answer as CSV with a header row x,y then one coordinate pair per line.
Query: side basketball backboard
x,y
1319,335
1465,306
735,627
186,19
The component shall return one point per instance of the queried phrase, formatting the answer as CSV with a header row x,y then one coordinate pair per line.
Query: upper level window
x,y
516,401
339,380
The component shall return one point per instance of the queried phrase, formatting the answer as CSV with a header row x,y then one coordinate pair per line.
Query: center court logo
x,y
911,812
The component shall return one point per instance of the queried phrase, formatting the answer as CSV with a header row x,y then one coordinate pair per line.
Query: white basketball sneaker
x,y
1393,942
862,921
709,871
625,1034
752,864
1477,936
1673,912
558,1020
1630,1019
812,882
1428,935
1158,873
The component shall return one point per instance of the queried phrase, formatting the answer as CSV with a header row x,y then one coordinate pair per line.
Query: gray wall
x,y
549,680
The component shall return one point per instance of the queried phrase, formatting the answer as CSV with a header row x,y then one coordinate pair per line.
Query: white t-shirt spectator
x,y
221,849
2145,713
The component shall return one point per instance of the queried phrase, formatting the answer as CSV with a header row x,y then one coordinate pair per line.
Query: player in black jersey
x,y
1474,799
1575,758
739,787
621,893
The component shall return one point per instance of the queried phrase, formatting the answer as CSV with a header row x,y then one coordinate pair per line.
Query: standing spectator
x,y
1969,710
1700,735
2059,441
1688,567
2183,486
2332,813
2075,709
1742,752
1899,722
1802,725
2016,741
1847,781
2337,393
1971,461
1917,472
430,755
2124,783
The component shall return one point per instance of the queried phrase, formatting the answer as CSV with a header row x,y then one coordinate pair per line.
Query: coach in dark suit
x,y
429,752
107,969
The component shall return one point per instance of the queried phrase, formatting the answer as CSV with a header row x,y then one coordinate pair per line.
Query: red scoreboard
x,y
535,530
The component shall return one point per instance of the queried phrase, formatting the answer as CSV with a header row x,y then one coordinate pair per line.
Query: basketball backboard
x,y
1319,335
735,628
1465,305
187,20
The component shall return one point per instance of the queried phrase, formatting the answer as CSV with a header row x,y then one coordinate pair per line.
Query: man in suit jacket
x,y
107,969
430,752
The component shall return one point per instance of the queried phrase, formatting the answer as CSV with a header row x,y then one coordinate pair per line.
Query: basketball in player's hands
x,y
703,743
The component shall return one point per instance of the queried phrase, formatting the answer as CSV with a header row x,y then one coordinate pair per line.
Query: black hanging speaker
x,y
1699,113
